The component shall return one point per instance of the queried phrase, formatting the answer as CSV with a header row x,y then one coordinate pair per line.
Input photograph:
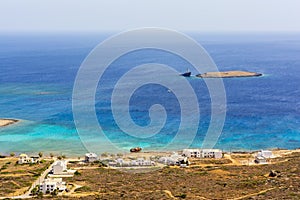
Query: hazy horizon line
x,y
120,31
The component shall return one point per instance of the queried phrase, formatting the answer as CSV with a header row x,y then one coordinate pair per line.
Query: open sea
x,y
37,73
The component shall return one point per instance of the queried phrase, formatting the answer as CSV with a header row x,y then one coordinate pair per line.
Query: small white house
x,y
265,153
211,153
174,159
49,185
191,153
91,157
112,163
144,162
202,153
25,159
59,167
263,156
141,162
136,162
260,160
120,163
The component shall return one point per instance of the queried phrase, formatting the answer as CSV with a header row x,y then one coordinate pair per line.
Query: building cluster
x,y
131,163
119,162
51,185
174,159
202,153
54,180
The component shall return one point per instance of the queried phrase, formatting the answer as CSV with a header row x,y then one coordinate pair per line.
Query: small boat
x,y
136,149
186,74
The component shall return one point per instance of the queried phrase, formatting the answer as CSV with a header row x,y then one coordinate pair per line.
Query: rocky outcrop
x,y
228,74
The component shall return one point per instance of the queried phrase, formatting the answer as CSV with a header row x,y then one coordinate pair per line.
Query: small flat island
x,y
228,74
6,122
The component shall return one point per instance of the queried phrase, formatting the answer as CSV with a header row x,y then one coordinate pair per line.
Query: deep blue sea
x,y
37,73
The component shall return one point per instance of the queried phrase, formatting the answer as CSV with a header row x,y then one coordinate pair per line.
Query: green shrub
x,y
183,196
77,173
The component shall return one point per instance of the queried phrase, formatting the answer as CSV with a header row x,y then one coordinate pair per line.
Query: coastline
x,y
65,145
7,122
235,169
148,154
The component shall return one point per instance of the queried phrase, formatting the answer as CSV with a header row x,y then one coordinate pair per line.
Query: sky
x,y
120,15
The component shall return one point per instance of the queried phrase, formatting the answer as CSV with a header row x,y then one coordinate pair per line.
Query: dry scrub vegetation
x,y
215,181
16,179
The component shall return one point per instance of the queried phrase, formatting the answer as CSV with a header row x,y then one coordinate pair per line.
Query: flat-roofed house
x,y
265,153
174,159
202,153
59,167
191,153
211,153
25,159
260,160
52,184
91,157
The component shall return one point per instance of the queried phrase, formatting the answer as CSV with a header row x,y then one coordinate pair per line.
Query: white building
x,y
25,159
265,153
91,157
112,164
136,162
263,156
59,167
202,153
191,153
168,161
260,160
174,159
144,162
49,185
211,153
120,163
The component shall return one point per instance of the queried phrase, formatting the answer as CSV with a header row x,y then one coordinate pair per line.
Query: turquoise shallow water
x,y
38,71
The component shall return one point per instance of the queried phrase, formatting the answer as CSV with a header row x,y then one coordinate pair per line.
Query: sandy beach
x,y
6,122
